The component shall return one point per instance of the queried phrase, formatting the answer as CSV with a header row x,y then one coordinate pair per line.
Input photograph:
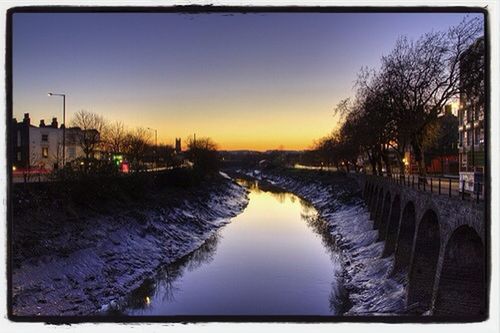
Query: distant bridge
x,y
439,241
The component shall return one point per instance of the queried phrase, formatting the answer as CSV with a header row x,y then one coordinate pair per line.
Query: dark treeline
x,y
101,140
96,178
397,106
105,145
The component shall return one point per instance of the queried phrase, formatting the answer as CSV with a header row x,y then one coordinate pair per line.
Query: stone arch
x,y
462,284
373,204
384,216
405,238
423,269
379,206
374,199
392,227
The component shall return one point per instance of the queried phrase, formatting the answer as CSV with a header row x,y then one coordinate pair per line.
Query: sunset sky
x,y
249,81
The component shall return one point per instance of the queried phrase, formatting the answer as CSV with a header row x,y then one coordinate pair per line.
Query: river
x,y
275,258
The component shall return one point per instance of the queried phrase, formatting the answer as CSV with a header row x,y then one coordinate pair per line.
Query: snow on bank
x,y
115,254
223,174
367,277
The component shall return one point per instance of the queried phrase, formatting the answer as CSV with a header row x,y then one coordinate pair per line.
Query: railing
x,y
30,175
451,187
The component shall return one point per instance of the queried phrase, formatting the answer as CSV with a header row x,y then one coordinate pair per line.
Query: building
x,y
471,118
178,148
39,149
442,156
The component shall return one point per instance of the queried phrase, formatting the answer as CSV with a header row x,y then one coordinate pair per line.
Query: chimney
x,y
54,122
26,119
42,123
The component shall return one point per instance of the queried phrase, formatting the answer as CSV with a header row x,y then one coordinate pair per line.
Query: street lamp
x,y
156,146
63,125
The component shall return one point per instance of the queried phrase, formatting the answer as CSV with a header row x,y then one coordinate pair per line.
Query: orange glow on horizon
x,y
264,124
256,142
287,128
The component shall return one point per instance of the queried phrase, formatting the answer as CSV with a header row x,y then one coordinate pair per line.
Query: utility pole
x,y
473,137
156,147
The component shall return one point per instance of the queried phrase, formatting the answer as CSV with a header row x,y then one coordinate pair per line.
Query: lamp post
x,y
473,118
63,125
156,146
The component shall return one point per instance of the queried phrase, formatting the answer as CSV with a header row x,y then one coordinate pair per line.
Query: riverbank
x,y
272,259
85,262
367,275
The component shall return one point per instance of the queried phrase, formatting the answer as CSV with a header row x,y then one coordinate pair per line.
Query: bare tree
x,y
136,146
114,137
201,143
203,153
368,125
398,106
327,150
376,121
422,76
87,127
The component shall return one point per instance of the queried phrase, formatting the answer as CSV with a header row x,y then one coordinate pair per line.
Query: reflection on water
x,y
163,286
338,297
275,258
257,187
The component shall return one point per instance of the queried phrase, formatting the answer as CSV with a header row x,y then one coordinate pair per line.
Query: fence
x,y
451,187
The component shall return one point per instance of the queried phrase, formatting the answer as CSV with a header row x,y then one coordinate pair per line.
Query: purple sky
x,y
255,81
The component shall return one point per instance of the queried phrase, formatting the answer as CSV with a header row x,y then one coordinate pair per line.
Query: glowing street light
x,y
156,145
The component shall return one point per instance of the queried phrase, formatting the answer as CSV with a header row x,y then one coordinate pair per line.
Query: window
x,y
19,138
19,156
469,137
45,152
464,160
45,137
71,152
476,111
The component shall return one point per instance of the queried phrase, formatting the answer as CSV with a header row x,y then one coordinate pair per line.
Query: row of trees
x,y
202,152
397,106
97,135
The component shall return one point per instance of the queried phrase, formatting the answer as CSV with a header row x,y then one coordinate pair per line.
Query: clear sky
x,y
249,81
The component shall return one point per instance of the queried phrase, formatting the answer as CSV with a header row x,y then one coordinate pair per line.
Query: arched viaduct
x,y
438,241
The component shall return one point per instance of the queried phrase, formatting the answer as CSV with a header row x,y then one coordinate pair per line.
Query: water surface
x,y
275,258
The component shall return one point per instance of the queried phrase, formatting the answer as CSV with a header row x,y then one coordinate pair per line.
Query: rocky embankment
x,y
371,288
80,267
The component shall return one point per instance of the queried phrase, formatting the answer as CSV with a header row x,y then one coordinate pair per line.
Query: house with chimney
x,y
40,148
